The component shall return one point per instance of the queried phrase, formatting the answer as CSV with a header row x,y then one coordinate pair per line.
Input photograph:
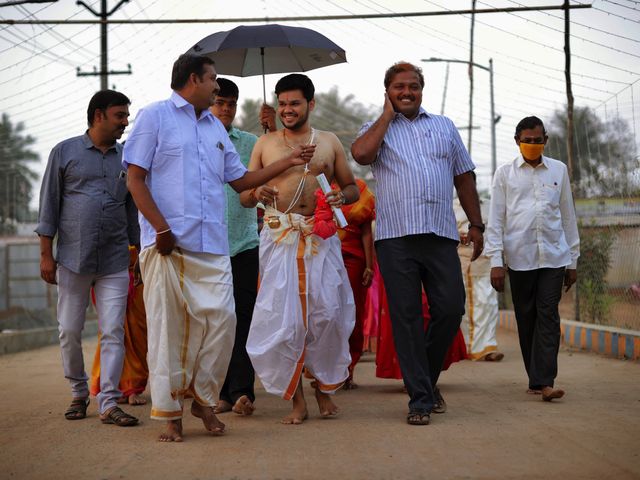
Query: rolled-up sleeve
x,y
50,196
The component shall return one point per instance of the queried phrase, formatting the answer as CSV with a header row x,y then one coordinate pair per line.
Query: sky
x,y
39,86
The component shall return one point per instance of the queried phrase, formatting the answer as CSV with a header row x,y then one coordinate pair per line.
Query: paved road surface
x,y
492,429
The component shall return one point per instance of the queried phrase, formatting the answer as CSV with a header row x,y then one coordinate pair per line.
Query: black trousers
x,y
240,375
536,295
407,265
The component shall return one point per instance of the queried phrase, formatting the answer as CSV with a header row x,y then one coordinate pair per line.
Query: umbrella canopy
x,y
250,50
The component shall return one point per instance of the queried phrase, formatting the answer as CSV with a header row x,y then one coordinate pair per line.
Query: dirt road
x,y
492,429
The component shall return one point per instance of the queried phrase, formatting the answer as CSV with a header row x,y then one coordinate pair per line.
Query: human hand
x,y
497,278
367,277
302,154
165,242
387,110
335,198
266,194
268,117
570,277
475,236
137,275
48,268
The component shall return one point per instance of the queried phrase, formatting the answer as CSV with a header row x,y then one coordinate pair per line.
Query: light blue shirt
x,y
414,170
241,222
188,161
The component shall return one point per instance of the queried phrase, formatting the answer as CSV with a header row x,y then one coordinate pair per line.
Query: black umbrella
x,y
260,49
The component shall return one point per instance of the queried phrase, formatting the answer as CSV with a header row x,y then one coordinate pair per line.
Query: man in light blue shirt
x,y
417,159
178,157
237,392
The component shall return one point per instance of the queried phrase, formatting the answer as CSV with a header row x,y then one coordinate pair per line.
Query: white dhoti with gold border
x,y
304,312
480,320
191,325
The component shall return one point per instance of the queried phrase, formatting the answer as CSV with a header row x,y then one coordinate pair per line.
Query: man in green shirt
x,y
237,392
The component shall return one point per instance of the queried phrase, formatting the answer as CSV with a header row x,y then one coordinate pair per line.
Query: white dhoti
x,y
304,313
481,310
190,325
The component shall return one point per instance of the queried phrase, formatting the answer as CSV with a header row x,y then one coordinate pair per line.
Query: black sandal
x,y
118,417
418,418
77,410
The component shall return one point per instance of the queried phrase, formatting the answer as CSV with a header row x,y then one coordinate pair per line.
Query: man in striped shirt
x,y
417,159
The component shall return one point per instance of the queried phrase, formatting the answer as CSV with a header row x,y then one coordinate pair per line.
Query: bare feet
x,y
209,419
222,407
173,433
243,406
549,393
299,412
296,417
493,357
350,385
534,391
325,404
134,400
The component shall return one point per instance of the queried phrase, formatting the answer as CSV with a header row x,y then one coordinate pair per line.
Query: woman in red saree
x,y
357,252
387,365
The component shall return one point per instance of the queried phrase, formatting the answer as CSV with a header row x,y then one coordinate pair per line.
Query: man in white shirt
x,y
178,158
532,224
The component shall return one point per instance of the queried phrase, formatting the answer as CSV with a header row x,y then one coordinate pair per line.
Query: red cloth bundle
x,y
323,225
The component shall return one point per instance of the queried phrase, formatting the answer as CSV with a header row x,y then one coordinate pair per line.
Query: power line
x,y
552,48
572,35
302,18
620,5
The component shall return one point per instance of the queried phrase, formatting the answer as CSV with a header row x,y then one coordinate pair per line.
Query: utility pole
x,y
494,119
104,64
470,71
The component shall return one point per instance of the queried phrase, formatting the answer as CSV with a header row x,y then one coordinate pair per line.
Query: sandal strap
x,y
118,416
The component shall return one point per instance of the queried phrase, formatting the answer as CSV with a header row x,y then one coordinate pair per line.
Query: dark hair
x,y
296,81
399,67
185,65
227,88
103,100
528,123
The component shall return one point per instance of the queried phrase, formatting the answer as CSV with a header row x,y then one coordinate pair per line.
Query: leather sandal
x,y
418,418
77,410
117,416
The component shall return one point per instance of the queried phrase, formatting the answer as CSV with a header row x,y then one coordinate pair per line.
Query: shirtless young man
x,y
304,312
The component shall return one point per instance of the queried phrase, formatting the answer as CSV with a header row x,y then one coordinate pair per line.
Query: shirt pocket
x,y
552,194
119,190
436,144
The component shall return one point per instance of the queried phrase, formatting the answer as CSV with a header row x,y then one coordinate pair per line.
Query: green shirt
x,y
242,223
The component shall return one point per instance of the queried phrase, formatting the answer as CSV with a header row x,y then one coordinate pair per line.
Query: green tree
x,y
15,175
605,162
341,115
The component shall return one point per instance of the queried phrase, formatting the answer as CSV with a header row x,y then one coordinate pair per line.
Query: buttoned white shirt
x,y
188,161
532,221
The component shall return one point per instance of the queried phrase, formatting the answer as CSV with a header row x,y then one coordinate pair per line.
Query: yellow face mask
x,y
531,151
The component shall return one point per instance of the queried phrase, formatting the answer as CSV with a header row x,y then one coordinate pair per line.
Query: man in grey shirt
x,y
85,202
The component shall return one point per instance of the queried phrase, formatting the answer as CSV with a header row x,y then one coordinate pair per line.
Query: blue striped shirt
x,y
414,170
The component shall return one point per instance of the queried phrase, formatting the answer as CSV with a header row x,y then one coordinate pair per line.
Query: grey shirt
x,y
85,201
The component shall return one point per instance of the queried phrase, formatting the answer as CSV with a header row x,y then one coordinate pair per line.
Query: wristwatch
x,y
479,226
